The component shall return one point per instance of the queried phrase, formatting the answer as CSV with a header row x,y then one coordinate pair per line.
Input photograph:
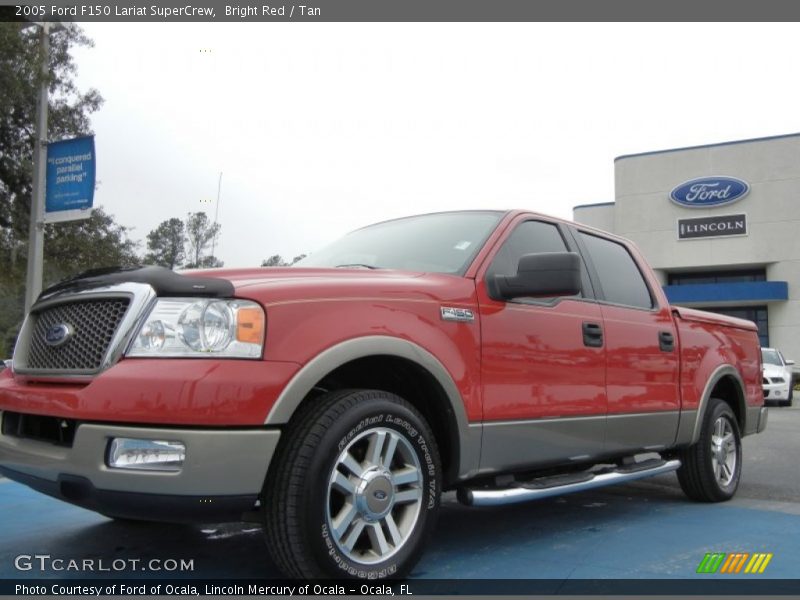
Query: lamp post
x,y
33,281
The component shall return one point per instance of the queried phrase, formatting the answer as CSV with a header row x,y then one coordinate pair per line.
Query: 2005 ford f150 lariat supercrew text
x,y
505,355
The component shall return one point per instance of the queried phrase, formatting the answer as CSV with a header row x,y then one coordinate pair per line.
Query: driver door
x,y
543,362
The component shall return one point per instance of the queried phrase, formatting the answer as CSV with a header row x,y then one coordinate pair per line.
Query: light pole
x,y
33,281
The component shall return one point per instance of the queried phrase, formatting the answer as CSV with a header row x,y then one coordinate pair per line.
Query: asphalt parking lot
x,y
638,531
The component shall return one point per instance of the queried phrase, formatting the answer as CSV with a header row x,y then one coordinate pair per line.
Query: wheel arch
x,y
399,366
726,384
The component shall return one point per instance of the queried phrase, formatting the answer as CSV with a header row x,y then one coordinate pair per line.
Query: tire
x,y
710,470
355,488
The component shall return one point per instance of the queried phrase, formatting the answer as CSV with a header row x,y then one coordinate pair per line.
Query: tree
x,y
69,111
76,246
166,244
276,260
210,262
69,247
200,233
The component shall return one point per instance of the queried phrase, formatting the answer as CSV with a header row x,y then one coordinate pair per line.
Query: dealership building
x,y
720,224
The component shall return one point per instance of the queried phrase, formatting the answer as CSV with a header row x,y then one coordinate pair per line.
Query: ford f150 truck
x,y
505,355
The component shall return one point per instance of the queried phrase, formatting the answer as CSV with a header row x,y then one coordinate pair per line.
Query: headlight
x,y
201,327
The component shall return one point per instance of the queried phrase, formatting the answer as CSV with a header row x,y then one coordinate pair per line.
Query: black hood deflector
x,y
165,282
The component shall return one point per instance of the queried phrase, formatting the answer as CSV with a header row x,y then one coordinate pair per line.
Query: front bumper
x,y
221,477
776,391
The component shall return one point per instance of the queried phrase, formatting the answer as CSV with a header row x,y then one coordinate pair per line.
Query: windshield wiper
x,y
356,265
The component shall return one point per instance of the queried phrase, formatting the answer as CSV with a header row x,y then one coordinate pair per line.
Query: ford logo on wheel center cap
x,y
58,334
706,192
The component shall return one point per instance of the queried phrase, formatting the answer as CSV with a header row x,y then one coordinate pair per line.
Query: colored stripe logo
x,y
734,563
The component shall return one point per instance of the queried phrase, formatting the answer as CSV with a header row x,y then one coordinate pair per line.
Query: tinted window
x,y
530,237
620,278
438,243
717,277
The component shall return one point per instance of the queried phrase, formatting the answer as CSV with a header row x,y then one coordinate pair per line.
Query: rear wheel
x,y
711,468
355,488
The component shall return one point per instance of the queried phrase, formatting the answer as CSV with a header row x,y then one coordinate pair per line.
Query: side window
x,y
620,278
530,237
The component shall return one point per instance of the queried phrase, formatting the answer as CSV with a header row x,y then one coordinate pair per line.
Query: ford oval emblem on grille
x,y
58,334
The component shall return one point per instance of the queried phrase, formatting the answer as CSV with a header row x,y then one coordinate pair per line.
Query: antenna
x,y
216,213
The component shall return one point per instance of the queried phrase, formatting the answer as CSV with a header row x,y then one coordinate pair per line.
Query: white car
x,y
777,376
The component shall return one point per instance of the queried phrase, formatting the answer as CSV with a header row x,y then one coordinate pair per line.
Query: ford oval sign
x,y
58,334
706,192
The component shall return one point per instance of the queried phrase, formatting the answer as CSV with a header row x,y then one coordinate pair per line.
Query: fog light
x,y
146,455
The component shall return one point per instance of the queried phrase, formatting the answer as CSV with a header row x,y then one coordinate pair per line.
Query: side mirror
x,y
545,274
790,362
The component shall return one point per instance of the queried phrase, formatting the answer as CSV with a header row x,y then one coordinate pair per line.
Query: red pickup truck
x,y
505,355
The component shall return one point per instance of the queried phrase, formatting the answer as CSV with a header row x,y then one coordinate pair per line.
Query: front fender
x,y
469,436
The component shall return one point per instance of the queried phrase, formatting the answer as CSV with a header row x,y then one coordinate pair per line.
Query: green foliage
x,y
276,260
166,244
200,234
211,262
76,246
69,247
69,111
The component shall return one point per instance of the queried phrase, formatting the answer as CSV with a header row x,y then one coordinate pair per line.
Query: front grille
x,y
778,380
93,323
36,427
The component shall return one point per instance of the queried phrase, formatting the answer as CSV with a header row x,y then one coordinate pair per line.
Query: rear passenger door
x,y
544,396
641,349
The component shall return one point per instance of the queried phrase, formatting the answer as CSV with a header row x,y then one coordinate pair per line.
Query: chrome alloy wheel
x,y
723,452
374,495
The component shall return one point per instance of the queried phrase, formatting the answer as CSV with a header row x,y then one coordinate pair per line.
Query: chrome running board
x,y
548,486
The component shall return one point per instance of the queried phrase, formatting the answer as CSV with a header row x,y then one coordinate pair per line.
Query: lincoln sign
x,y
705,227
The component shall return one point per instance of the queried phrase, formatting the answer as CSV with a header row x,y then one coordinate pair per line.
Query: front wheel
x,y
355,488
711,468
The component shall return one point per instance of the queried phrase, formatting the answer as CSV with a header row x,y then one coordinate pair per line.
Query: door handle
x,y
666,341
592,335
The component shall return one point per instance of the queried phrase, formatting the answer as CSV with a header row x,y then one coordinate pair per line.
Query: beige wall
x,y
643,213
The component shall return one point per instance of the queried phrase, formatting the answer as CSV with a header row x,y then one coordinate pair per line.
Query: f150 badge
x,y
457,314
709,191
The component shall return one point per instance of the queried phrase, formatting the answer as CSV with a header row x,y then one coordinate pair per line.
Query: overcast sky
x,y
322,128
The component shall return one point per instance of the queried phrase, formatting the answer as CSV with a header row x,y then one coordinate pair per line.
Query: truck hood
x,y
774,371
272,276
270,284
241,282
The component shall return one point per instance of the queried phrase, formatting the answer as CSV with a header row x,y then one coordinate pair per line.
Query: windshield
x,y
436,243
771,357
